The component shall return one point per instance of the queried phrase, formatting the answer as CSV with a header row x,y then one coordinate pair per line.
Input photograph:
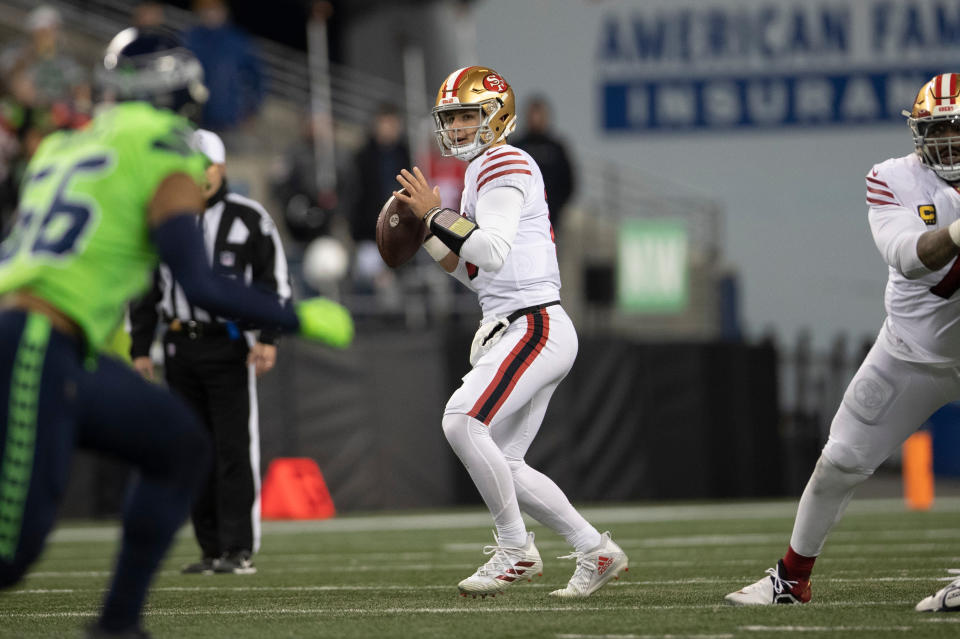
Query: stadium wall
x,y
631,421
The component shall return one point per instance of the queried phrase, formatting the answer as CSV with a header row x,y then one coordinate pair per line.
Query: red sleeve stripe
x,y
880,182
501,174
498,165
882,202
888,194
497,157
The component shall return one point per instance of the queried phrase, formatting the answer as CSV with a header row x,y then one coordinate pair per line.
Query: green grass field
x,y
395,576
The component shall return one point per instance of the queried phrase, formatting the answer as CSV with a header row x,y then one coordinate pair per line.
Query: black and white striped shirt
x,y
242,242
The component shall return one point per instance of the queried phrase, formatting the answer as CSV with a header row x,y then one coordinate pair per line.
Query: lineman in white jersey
x,y
914,367
500,245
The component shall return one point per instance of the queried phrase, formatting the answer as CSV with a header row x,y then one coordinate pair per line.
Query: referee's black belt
x,y
196,330
512,317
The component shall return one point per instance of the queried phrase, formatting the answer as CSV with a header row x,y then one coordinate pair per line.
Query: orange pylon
x,y
918,471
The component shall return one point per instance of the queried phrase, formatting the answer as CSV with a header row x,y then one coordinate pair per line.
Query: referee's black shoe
x,y
237,563
203,567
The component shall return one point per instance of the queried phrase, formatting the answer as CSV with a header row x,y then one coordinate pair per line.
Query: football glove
x,y
325,321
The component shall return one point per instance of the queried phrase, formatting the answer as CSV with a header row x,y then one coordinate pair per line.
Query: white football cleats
x,y
946,599
774,589
594,569
507,566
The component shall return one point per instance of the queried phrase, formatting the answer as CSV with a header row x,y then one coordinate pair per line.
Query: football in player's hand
x,y
399,232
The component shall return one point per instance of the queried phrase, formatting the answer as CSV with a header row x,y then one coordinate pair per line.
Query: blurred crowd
x,y
44,88
48,86
365,182
231,66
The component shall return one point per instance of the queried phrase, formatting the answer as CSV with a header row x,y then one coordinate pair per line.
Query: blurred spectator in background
x,y
550,153
230,67
375,170
376,167
8,151
58,80
306,212
148,15
43,89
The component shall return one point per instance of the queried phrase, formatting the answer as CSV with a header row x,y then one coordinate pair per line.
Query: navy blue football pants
x,y
52,404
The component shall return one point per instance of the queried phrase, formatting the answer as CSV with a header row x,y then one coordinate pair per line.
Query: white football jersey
x,y
529,275
906,199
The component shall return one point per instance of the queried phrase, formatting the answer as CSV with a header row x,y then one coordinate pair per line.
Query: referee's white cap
x,y
210,144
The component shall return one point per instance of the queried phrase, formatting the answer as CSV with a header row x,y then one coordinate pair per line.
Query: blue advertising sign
x,y
723,65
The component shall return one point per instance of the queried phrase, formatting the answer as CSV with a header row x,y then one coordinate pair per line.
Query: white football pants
x,y
491,420
887,400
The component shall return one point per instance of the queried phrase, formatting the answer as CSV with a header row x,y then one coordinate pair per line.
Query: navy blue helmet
x,y
152,66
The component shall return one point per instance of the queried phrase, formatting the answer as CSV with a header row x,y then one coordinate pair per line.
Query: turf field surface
x,y
395,576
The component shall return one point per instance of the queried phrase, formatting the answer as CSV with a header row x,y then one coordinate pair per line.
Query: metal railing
x,y
610,189
355,94
618,191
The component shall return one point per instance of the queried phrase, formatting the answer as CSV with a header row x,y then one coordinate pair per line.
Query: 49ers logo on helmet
x,y
493,82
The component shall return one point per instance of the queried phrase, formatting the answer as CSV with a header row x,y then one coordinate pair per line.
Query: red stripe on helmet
x,y
456,82
455,77
953,88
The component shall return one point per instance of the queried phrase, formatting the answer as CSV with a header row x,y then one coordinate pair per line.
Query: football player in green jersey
x,y
98,208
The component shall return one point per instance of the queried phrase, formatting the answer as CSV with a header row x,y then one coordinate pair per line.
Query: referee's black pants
x,y
210,372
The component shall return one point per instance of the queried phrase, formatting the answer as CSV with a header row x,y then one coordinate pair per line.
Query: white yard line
x,y
221,587
779,629
481,607
661,563
626,581
611,636
892,537
481,519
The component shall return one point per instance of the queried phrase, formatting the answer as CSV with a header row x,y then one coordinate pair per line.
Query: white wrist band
x,y
428,217
437,249
954,230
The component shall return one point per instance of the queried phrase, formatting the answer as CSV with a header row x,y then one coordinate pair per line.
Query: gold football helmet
x,y
488,102
935,122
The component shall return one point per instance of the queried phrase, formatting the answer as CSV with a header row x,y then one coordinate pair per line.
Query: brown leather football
x,y
399,233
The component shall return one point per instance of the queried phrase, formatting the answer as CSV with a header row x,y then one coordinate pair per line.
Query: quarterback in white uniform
x,y
500,244
914,366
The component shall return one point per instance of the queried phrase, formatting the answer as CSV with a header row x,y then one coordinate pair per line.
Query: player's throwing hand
x,y
419,196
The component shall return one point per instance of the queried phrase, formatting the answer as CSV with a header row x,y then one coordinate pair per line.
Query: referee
x,y
213,362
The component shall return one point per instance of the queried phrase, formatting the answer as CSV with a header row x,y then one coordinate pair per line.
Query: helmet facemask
x,y
466,142
937,140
